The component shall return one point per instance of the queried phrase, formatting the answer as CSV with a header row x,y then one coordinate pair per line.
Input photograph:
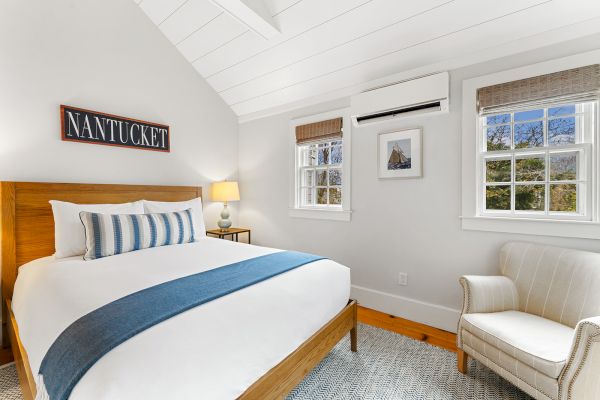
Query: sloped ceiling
x,y
325,45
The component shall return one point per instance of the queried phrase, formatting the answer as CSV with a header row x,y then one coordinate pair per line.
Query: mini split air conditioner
x,y
425,95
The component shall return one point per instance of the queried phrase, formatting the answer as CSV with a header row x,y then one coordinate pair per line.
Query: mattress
x,y
214,351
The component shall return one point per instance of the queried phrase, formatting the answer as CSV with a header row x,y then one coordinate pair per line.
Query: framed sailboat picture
x,y
399,154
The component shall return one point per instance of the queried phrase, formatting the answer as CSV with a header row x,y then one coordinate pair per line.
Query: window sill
x,y
319,213
539,227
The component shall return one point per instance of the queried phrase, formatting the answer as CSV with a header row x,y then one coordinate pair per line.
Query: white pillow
x,y
69,233
154,207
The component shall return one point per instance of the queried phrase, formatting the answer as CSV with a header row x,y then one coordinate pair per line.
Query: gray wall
x,y
105,56
397,225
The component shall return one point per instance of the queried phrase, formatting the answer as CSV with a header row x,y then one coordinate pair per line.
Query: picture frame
x,y
400,154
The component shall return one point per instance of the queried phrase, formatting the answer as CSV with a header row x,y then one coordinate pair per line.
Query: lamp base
x,y
224,223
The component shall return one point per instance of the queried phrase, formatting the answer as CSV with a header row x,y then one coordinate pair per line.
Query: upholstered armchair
x,y
537,325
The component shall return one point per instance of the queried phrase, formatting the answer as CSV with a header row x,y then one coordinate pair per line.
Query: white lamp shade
x,y
225,191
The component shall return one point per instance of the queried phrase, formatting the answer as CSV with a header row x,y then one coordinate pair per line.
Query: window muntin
x,y
320,174
536,162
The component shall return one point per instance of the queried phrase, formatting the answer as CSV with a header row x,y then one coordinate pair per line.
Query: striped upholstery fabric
x,y
537,342
502,322
108,235
489,293
542,387
555,283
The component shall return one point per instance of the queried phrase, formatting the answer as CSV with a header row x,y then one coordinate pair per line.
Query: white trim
x,y
316,213
435,315
344,212
542,39
544,227
470,154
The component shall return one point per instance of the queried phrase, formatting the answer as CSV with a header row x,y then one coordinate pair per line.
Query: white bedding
x,y
214,351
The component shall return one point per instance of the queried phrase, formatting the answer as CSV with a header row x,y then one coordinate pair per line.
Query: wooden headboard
x,y
27,224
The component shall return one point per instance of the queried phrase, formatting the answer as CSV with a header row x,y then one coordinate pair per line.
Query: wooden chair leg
x,y
463,359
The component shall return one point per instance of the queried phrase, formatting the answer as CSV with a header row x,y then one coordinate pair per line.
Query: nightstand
x,y
233,232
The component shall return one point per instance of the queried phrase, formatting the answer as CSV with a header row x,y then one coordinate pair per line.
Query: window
x,y
321,168
536,162
530,155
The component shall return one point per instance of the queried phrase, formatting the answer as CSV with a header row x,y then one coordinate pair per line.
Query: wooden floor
x,y
5,356
415,330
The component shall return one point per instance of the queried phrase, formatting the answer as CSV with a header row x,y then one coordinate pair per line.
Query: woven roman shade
x,y
573,85
330,129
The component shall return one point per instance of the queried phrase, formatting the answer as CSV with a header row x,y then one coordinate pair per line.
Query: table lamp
x,y
225,191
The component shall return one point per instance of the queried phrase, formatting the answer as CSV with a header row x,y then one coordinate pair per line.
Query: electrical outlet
x,y
402,279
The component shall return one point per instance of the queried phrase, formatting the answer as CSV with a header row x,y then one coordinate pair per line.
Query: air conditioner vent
x,y
411,110
426,95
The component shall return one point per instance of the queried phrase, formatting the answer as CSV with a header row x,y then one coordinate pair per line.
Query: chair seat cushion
x,y
540,343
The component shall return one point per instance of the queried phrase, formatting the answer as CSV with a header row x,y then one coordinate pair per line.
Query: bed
x,y
256,343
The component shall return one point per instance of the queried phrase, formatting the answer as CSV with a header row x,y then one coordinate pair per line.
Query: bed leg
x,y
5,341
5,317
353,340
463,360
354,331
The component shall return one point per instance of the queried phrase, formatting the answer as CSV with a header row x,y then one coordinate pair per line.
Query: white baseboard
x,y
415,310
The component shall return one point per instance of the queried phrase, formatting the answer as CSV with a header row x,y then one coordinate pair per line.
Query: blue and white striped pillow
x,y
107,235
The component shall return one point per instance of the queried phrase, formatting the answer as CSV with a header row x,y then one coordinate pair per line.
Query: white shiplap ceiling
x,y
326,45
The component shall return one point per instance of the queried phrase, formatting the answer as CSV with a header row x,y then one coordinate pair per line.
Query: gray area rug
x,y
9,383
387,366
391,366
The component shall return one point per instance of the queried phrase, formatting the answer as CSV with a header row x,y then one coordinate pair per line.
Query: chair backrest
x,y
555,283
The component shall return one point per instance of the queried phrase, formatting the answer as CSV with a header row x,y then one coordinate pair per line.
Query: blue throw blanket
x,y
89,338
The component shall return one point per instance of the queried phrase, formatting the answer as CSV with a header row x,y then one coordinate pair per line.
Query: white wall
x,y
105,56
397,225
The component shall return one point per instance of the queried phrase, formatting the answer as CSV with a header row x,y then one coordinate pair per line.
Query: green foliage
x,y
530,197
497,197
530,169
525,129
335,196
321,195
563,198
498,170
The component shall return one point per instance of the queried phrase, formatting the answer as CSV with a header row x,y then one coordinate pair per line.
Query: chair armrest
x,y
485,294
579,379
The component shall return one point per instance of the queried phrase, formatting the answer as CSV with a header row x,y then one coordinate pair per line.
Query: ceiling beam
x,y
252,13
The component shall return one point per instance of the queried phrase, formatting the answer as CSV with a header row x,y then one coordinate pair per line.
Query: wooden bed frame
x,y
27,233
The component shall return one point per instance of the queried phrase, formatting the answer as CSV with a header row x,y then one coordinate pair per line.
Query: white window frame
x,y
329,212
585,138
301,169
473,218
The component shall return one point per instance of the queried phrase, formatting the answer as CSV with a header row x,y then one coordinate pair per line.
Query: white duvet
x,y
214,351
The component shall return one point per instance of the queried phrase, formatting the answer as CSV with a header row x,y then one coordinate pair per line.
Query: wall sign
x,y
79,125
